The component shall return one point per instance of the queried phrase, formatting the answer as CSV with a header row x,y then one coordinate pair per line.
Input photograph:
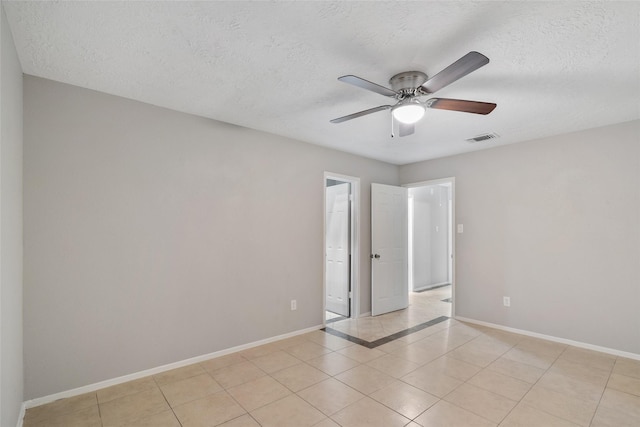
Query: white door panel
x,y
337,249
389,286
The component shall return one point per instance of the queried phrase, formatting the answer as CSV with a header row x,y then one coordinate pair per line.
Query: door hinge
x,y
350,294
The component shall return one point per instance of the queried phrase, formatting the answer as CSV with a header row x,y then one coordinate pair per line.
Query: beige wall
x,y
153,236
555,225
11,365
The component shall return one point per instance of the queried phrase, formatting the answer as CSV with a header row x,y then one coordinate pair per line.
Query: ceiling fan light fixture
x,y
408,113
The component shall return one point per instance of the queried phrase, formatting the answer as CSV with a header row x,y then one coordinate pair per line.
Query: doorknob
x,y
376,256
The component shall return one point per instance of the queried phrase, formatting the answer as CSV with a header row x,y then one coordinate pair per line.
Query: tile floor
x,y
451,374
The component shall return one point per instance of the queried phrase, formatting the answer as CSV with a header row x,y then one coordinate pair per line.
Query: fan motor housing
x,y
407,81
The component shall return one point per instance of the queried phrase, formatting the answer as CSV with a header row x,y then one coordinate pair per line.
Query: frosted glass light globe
x,y
408,113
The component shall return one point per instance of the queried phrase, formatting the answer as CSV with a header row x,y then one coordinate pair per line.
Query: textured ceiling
x,y
555,67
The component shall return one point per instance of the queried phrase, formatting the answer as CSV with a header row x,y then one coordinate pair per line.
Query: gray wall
x,y
153,236
555,225
11,365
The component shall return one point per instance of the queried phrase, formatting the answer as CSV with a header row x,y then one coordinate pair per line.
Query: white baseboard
x,y
137,375
23,410
367,314
587,346
435,285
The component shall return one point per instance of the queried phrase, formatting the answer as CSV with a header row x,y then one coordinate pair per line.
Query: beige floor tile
x,y
209,411
163,419
242,421
404,399
621,402
591,358
503,385
125,389
577,371
540,346
606,417
530,357
327,422
189,389
571,387
369,413
444,414
569,408
391,346
179,374
307,350
453,367
292,411
418,353
333,363
392,365
87,417
628,367
299,377
432,381
132,407
275,361
624,383
518,370
365,379
212,365
259,392
361,354
61,407
526,416
330,396
261,350
237,374
329,341
474,356
481,402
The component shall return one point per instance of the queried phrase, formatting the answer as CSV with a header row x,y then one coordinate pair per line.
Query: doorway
x,y
341,195
431,242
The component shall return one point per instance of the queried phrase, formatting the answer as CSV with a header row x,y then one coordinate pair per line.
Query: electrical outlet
x,y
506,301
460,228
294,305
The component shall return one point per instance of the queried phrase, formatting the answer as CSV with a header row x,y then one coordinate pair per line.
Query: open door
x,y
337,249
389,284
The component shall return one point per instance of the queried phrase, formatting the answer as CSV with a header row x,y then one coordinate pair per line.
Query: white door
x,y
337,249
389,285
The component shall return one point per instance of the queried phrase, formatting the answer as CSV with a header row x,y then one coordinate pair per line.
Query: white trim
x,y
449,180
355,242
367,314
125,378
579,344
23,411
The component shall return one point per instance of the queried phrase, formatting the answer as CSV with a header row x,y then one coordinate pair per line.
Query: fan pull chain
x,y
392,135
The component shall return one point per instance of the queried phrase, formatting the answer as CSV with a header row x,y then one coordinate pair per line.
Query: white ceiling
x,y
555,67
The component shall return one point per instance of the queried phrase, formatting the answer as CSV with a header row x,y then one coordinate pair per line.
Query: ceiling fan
x,y
408,87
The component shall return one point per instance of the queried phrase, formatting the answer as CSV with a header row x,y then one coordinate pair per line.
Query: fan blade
x,y
360,114
405,129
461,105
366,84
463,66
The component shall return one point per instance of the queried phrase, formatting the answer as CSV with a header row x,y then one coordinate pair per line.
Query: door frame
x,y
452,181
355,242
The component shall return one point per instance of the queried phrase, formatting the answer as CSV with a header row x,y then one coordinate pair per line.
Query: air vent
x,y
484,137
